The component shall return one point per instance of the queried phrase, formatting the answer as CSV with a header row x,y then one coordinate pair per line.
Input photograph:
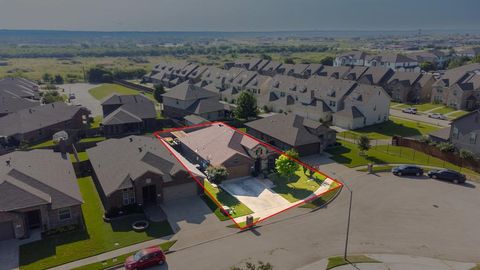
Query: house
x,y
410,87
291,131
185,99
354,58
436,57
193,119
172,74
334,72
10,103
219,145
270,69
394,61
376,76
459,88
41,122
139,170
465,132
471,52
38,189
20,87
127,114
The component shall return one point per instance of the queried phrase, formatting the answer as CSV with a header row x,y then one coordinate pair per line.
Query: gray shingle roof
x,y
37,177
288,128
10,103
133,109
186,91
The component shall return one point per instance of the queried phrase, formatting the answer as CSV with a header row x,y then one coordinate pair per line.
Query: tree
x,y
158,92
58,79
252,266
363,144
285,164
457,62
476,59
217,174
427,66
47,77
289,61
327,61
466,154
265,56
246,106
99,75
51,97
446,147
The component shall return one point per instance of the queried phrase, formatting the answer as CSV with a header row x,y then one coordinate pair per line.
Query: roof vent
x,y
131,139
7,162
140,149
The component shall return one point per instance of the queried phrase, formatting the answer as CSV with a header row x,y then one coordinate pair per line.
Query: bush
x,y
217,174
466,154
51,97
446,147
59,230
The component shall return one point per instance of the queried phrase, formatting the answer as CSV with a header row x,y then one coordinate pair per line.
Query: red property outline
x,y
278,151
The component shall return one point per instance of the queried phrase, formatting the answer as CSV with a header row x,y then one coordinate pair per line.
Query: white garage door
x,y
180,191
6,231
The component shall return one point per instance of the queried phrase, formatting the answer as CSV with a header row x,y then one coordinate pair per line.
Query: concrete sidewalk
x,y
396,262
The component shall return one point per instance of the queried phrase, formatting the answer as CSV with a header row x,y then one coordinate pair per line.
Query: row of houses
x,y
17,94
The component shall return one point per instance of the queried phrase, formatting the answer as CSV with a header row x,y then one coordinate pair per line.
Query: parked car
x,y
145,258
449,175
407,170
410,110
437,116
72,96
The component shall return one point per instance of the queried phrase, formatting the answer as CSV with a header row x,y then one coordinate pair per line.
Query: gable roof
x,y
132,109
351,112
25,181
10,103
118,162
187,91
291,129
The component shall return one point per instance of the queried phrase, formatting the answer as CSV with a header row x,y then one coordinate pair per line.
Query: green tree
x,y
457,62
265,56
363,144
427,66
51,97
158,92
466,154
58,79
246,106
446,147
327,61
47,78
99,75
217,174
285,164
476,59
289,61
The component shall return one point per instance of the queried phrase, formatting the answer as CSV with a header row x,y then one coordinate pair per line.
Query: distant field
x,y
107,89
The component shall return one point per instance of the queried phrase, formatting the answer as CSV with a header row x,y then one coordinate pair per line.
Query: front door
x,y
149,194
33,219
258,165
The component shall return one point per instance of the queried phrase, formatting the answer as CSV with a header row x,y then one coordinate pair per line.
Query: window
x,y
332,103
128,196
64,214
455,133
473,138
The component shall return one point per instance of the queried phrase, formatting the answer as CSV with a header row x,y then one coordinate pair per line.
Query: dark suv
x,y
407,170
448,175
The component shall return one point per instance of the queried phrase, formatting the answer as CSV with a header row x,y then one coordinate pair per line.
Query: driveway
x,y
9,250
82,97
256,194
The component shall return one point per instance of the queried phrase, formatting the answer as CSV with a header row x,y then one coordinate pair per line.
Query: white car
x,y
410,110
437,116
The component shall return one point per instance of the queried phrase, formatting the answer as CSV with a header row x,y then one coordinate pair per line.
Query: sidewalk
x,y
396,262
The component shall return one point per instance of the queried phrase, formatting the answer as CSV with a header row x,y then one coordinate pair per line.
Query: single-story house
x,y
139,170
287,131
38,189
127,114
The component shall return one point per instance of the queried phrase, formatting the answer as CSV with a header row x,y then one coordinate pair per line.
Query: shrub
x,y
217,174
446,147
466,154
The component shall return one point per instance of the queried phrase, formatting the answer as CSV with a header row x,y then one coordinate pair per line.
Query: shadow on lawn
x,y
391,129
34,251
155,229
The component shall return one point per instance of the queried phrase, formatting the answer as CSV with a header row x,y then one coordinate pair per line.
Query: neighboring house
x,y
127,114
410,87
172,74
394,61
10,103
376,76
471,52
186,99
193,119
41,122
270,69
219,145
436,57
138,170
334,72
287,131
354,58
459,88
465,132
20,87
38,189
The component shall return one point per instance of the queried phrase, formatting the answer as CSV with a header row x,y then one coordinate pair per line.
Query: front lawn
x,y
349,155
420,107
297,187
339,260
457,114
97,120
47,144
99,236
225,199
325,198
82,156
394,126
92,139
119,259
444,110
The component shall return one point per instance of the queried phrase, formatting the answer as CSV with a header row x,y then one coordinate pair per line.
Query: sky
x,y
238,15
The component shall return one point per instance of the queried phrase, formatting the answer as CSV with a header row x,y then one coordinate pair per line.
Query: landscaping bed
x,y
98,237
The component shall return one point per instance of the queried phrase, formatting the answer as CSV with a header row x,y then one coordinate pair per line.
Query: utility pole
x,y
348,220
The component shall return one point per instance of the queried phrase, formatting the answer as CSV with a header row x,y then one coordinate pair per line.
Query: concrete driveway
x,y
9,250
82,97
256,194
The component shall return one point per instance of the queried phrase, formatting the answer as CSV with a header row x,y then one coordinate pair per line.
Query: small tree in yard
x,y
158,92
466,154
285,165
246,106
51,97
251,266
363,144
217,174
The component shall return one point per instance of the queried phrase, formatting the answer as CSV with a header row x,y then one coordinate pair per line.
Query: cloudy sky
x,y
239,15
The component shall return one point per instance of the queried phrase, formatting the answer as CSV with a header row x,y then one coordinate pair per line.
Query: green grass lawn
x,y
107,89
225,199
349,155
92,139
457,114
325,198
420,107
82,156
99,236
394,126
97,120
297,187
119,259
339,260
48,143
444,110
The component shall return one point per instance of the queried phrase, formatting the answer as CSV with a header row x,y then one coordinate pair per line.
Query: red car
x,y
145,258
